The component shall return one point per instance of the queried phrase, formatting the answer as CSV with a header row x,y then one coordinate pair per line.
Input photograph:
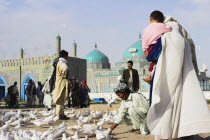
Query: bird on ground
x,y
62,125
35,136
38,123
5,127
17,127
56,118
76,136
101,122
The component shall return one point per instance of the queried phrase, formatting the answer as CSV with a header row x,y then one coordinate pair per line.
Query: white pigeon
x,y
62,125
5,127
17,127
112,100
50,137
76,136
107,119
112,119
88,128
38,123
81,117
56,118
11,120
71,116
51,130
35,136
99,113
78,114
8,137
20,138
69,132
49,119
64,136
101,122
86,113
72,111
16,122
90,119
59,133
2,135
100,135
106,114
91,112
85,119
32,115
25,120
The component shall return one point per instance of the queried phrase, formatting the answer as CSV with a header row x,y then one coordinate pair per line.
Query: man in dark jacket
x,y
131,77
13,93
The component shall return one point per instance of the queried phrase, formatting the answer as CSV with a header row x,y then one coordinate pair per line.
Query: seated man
x,y
133,110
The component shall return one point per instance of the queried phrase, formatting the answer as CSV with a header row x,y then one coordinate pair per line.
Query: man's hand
x,y
146,53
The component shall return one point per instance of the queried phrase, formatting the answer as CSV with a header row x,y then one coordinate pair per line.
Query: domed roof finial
x,y
58,36
75,44
139,36
96,46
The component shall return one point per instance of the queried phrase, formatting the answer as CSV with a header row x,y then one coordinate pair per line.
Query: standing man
x,y
40,94
34,94
29,93
70,93
131,77
60,92
13,93
75,93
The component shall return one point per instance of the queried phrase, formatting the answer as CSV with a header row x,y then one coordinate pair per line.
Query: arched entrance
x,y
2,87
24,85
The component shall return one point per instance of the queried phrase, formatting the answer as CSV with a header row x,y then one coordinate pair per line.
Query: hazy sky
x,y
113,24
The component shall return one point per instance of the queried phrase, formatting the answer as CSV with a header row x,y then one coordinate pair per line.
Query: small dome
x,y
134,50
75,44
96,56
58,37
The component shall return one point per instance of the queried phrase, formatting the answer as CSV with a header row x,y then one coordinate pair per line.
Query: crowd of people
x,y
77,96
172,75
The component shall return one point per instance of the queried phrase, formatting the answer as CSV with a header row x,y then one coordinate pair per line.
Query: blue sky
x,y
113,24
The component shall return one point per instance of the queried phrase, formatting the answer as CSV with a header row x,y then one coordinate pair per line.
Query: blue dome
x,y
134,50
96,56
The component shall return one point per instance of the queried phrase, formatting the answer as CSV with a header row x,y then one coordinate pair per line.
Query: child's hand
x,y
146,53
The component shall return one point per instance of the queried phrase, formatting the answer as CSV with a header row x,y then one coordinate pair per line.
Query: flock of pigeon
x,y
13,125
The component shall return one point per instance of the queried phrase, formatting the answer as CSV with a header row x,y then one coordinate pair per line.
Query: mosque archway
x,y
24,85
2,87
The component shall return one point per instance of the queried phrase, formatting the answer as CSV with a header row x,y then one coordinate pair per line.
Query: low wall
x,y
146,94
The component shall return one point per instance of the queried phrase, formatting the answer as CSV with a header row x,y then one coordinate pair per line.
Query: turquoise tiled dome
x,y
96,56
58,37
138,46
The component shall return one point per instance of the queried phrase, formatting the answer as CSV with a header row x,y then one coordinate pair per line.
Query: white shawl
x,y
178,105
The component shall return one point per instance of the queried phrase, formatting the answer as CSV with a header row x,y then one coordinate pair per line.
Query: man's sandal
x,y
133,131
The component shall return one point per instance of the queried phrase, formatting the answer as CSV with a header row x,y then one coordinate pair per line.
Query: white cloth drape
x,y
47,96
178,105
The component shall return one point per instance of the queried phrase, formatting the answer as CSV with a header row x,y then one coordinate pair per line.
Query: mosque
x,y
102,79
37,69
95,67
